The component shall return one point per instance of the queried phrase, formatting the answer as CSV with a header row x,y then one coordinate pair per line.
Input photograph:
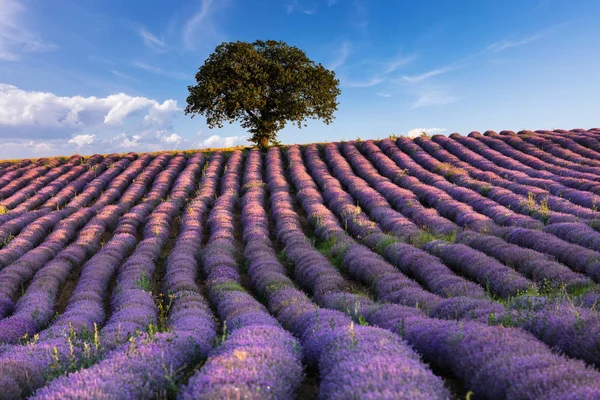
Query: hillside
x,y
424,268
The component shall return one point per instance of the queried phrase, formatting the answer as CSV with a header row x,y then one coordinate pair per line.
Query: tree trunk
x,y
263,142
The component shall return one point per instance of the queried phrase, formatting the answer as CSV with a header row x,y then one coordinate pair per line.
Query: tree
x,y
263,85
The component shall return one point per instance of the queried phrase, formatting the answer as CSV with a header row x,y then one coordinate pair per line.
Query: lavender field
x,y
444,267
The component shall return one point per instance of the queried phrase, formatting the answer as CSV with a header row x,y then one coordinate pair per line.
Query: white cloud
x,y
429,74
419,131
161,114
15,37
125,141
201,26
393,65
362,84
145,140
293,6
507,44
19,108
159,71
434,98
383,94
341,57
216,141
151,41
173,138
381,71
123,105
119,74
82,140
27,149
42,147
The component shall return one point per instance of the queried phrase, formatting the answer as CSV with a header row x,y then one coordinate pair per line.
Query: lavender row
x,y
483,157
495,177
132,303
38,176
371,269
33,231
387,158
343,204
24,255
413,156
503,344
539,267
585,176
537,168
389,369
12,166
70,170
150,364
475,265
576,257
561,149
26,368
497,278
17,273
30,170
494,362
589,146
456,171
86,307
37,193
401,199
52,197
258,358
35,309
531,147
376,275
531,156
366,197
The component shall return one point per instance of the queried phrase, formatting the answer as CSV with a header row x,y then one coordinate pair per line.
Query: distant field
x,y
428,268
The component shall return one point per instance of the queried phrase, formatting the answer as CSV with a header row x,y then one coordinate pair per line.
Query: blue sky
x,y
112,75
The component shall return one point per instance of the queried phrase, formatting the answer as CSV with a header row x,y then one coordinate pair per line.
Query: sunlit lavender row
x,y
442,267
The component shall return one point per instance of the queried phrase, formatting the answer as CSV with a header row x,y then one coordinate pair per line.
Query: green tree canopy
x,y
263,85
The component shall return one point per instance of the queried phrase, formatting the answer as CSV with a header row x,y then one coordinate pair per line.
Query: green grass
x,y
426,236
